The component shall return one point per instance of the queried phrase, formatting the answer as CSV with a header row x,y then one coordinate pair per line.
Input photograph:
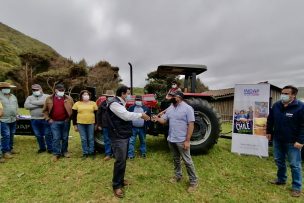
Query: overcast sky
x,y
240,41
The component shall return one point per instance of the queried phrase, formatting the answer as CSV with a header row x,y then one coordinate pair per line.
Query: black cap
x,y
138,98
59,86
177,94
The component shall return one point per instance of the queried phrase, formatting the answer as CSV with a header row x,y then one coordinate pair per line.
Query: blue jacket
x,y
146,109
286,124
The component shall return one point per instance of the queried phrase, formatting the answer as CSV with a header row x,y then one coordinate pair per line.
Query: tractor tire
x,y
99,143
207,126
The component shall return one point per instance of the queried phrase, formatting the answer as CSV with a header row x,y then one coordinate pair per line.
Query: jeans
x,y
178,153
60,131
107,142
43,133
281,151
8,131
86,132
142,138
120,150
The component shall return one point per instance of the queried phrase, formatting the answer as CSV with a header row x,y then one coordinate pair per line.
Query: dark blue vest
x,y
118,128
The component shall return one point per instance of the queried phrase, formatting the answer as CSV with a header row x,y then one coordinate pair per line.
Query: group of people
x,y
51,116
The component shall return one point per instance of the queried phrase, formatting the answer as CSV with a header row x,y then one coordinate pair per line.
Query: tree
x,y
159,85
104,77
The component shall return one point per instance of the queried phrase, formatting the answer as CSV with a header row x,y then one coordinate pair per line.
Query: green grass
x,y
223,176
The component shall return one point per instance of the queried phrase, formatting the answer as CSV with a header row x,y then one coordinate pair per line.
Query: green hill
x,y
14,43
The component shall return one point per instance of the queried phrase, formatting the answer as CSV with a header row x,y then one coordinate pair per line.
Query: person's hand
x,y
268,136
154,118
145,117
298,145
76,128
186,145
161,113
99,127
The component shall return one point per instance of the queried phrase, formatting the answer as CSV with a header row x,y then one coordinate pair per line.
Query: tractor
x,y
207,125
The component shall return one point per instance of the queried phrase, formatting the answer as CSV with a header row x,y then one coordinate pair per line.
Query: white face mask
x,y
60,94
174,86
285,98
85,97
36,93
138,103
6,91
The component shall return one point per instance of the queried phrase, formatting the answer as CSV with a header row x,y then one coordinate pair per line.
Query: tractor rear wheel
x,y
207,126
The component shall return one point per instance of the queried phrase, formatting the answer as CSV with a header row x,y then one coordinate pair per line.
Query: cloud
x,y
241,41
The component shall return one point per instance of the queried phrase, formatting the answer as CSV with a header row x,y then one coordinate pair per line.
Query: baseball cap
x,y
177,94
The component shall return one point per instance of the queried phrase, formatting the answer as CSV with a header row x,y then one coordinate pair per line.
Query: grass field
x,y
223,176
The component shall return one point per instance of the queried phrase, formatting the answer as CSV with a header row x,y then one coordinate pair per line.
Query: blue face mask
x,y
285,98
138,103
109,99
6,91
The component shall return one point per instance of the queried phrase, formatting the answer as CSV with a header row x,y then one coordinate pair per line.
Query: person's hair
x,y
121,90
294,90
82,92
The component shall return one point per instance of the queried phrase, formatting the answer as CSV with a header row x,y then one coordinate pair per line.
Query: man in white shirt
x,y
120,130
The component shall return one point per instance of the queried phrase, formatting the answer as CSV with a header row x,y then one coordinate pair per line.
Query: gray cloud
x,y
241,41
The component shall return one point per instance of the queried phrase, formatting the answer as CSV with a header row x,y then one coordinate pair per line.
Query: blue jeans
x,y
178,154
120,150
281,151
43,133
86,132
60,131
8,131
107,142
142,139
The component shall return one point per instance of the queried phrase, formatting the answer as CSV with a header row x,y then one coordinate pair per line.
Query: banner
x,y
251,108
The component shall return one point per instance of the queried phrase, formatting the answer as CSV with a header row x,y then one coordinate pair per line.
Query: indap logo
x,y
251,92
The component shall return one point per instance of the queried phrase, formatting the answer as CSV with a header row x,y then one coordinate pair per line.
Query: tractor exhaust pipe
x,y
131,78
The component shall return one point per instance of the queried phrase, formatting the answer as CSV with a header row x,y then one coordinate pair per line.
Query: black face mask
x,y
173,101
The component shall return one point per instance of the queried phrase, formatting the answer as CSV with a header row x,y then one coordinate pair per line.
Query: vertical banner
x,y
251,108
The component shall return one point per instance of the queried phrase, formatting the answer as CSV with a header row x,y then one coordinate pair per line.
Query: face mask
x,y
173,101
174,86
60,94
285,98
138,103
6,91
86,97
128,97
36,93
109,99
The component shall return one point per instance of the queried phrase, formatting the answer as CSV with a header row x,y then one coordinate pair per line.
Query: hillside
x,y
14,43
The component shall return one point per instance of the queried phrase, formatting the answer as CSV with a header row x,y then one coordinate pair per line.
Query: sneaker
x,y
276,182
66,155
41,151
118,193
107,158
295,193
55,158
175,179
192,187
7,155
2,160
